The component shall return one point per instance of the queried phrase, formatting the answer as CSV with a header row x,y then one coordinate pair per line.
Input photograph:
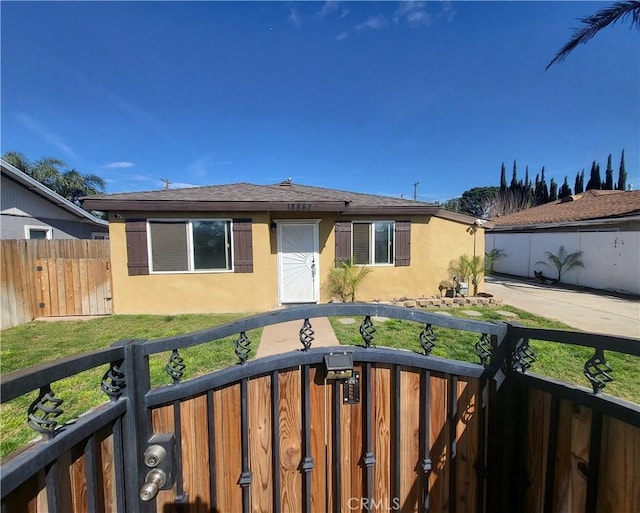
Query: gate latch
x,y
159,460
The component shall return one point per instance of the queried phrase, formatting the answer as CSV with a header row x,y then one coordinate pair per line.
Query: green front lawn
x,y
560,361
38,342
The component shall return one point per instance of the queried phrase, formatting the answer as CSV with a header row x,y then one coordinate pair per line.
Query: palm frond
x,y
596,22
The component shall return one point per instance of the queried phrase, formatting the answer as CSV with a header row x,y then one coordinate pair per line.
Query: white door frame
x,y
314,223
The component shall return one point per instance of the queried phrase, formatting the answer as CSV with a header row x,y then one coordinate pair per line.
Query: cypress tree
x,y
565,190
580,184
503,179
622,177
544,190
608,180
576,185
553,192
514,178
595,182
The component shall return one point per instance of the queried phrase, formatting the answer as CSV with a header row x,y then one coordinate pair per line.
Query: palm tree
x,y
562,262
50,171
596,22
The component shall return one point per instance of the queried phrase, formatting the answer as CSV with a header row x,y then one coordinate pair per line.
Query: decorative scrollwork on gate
x,y
483,349
113,382
367,329
44,411
175,366
597,371
523,356
427,339
243,348
306,335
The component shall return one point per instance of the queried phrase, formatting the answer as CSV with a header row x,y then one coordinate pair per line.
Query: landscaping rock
x,y
472,313
346,320
410,303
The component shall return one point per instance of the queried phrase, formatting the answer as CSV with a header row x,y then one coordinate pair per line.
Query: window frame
x,y
43,228
372,242
190,247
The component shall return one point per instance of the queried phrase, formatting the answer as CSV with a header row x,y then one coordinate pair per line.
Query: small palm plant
x,y
344,279
562,262
465,267
491,257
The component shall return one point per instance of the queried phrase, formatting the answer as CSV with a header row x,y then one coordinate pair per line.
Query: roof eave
x,y
566,224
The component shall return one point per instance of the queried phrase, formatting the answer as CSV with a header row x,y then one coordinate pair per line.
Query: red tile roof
x,y
591,205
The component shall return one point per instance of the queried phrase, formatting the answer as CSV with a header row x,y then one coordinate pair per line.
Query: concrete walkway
x,y
285,337
593,311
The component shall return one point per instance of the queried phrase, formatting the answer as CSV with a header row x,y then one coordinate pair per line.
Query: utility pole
x,y
166,182
415,191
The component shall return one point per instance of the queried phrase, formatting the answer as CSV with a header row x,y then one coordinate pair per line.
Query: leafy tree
x,y
503,179
565,190
510,202
51,172
453,205
622,176
608,177
596,22
579,186
477,202
595,182
562,262
553,190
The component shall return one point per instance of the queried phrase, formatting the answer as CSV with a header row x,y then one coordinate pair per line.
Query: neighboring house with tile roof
x,y
249,248
30,210
604,225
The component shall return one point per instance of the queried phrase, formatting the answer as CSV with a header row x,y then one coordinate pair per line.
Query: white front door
x,y
298,261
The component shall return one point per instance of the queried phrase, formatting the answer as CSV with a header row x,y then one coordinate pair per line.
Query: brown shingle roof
x,y
591,205
243,192
240,197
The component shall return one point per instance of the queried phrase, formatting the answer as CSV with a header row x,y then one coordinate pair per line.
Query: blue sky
x,y
362,96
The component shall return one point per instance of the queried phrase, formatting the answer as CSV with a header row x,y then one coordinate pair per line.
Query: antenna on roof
x,y
415,191
166,182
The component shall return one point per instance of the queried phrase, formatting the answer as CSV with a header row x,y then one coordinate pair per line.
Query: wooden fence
x,y
51,278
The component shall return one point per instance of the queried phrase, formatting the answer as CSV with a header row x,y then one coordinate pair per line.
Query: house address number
x,y
299,207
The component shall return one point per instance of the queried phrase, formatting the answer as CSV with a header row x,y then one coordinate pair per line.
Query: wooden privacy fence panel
x,y
80,286
74,279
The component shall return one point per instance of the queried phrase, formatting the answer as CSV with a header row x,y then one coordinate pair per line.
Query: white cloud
x,y
373,23
413,13
119,165
327,8
201,167
294,17
447,11
342,36
51,138
344,12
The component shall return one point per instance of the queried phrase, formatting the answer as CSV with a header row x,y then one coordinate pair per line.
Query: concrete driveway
x,y
584,310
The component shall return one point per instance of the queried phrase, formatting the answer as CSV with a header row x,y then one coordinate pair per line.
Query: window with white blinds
x,y
373,242
190,246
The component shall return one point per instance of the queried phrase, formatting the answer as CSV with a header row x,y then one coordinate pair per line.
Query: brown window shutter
x,y
137,255
242,246
403,243
343,241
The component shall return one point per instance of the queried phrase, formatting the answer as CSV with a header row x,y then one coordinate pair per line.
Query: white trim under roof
x,y
45,192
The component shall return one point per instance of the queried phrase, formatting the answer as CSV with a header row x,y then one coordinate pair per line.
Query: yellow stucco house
x,y
250,248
